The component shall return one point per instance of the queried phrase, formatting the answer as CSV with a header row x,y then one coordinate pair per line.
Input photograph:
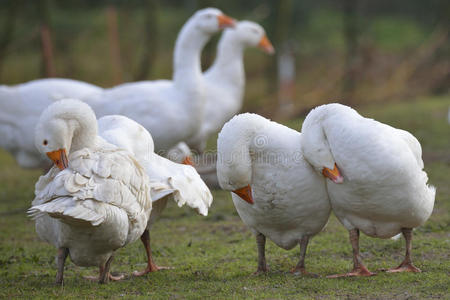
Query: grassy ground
x,y
215,256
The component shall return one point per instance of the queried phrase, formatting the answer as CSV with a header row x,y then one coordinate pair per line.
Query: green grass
x,y
215,256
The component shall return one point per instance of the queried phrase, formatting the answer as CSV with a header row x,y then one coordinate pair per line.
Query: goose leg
x,y
104,271
105,275
406,265
151,266
62,255
358,268
261,244
300,267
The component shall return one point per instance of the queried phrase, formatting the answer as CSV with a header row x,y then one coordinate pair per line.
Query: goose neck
x,y
84,135
187,52
229,61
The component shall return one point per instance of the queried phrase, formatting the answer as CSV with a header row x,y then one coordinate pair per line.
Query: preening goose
x,y
95,199
376,180
224,81
275,191
168,180
171,109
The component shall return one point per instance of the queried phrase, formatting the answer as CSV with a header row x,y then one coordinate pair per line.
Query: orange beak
x,y
188,161
266,45
225,21
245,193
59,157
334,174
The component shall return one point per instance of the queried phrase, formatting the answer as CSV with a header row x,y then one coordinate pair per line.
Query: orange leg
x,y
358,268
406,265
151,266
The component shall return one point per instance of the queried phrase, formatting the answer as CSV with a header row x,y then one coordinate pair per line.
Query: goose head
x,y
236,142
65,126
211,20
181,153
251,34
315,146
234,174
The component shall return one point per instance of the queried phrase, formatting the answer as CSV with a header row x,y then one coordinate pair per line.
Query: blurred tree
x,y
286,79
114,45
48,69
150,40
351,34
351,50
8,30
280,22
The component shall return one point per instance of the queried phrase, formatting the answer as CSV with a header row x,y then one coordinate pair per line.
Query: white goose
x,y
97,197
171,110
167,179
20,108
225,80
377,183
275,191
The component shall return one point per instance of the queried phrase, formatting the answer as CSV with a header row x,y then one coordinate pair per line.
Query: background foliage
x,y
354,51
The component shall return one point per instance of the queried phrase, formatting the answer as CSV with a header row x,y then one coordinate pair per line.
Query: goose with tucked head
x,y
168,180
224,81
95,199
275,191
376,181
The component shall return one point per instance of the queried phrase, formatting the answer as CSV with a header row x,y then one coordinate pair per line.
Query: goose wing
x,y
94,182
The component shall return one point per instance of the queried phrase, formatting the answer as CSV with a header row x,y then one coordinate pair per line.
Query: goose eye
x,y
255,31
45,142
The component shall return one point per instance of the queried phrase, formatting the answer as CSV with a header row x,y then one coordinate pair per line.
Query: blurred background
x,y
351,51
